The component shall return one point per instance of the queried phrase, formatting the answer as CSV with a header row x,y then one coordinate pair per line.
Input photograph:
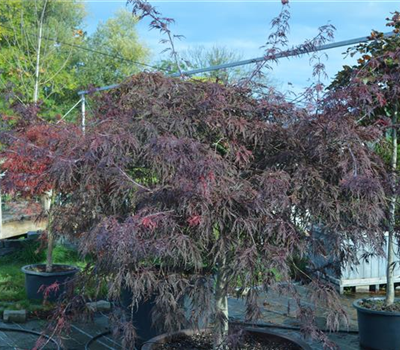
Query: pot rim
x,y
148,344
26,270
356,304
264,330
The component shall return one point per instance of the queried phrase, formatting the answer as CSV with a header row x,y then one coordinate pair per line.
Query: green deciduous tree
x,y
38,57
46,57
201,57
119,39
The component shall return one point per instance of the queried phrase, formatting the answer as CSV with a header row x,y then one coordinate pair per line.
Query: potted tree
x,y
370,92
186,188
25,165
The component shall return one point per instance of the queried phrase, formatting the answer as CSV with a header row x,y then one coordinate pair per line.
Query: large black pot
x,y
259,332
379,330
36,282
141,317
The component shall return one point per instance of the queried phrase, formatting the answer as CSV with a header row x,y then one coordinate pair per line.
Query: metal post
x,y
1,215
83,113
1,206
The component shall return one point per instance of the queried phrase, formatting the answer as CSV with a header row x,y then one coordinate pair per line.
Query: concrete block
x,y
100,306
18,316
362,289
34,235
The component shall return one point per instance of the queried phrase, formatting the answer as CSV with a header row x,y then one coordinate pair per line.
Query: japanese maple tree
x,y
185,188
30,148
188,188
369,92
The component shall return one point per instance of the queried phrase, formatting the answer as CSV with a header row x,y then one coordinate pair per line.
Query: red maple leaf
x,y
149,223
52,288
194,220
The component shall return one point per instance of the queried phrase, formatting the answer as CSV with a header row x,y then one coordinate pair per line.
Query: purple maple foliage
x,y
188,188
369,93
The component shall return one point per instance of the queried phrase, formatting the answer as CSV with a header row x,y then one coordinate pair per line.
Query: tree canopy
x,y
369,92
184,187
178,183
48,27
200,57
46,56
119,39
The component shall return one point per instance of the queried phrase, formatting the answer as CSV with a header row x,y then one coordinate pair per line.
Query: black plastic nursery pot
x,y
379,330
259,332
36,281
141,317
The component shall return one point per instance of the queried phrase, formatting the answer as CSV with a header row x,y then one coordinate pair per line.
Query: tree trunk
x,y
221,308
48,203
49,257
392,217
39,46
1,214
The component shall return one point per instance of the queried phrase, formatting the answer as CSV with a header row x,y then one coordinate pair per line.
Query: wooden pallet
x,y
19,227
366,276
361,285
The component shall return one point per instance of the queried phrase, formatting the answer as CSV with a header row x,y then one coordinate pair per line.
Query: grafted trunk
x,y
392,217
1,213
221,307
48,203
49,257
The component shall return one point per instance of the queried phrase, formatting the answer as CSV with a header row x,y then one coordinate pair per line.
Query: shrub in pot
x,y
371,91
183,188
31,147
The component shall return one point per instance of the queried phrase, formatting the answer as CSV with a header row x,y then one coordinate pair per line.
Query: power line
x,y
288,53
80,47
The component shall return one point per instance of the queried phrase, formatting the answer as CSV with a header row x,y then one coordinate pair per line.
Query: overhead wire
x,y
80,47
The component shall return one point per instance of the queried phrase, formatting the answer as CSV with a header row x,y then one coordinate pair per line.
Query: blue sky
x,y
243,26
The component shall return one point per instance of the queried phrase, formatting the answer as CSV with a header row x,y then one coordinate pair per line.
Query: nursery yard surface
x,y
277,309
80,334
